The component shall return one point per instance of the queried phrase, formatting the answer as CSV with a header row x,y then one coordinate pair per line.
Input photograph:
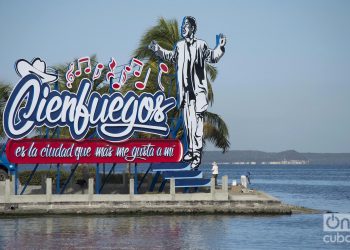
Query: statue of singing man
x,y
190,56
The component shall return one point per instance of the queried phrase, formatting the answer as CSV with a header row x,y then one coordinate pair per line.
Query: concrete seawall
x,y
148,207
217,201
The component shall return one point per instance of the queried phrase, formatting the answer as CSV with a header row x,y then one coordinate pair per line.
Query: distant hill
x,y
284,157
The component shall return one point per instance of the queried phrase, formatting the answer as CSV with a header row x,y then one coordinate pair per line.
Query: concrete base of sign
x,y
217,201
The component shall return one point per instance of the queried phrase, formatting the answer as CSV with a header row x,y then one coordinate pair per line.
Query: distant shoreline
x,y
269,165
289,157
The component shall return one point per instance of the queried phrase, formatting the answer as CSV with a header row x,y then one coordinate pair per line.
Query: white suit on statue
x,y
190,57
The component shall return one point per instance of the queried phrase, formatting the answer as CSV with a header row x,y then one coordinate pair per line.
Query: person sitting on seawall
x,y
215,172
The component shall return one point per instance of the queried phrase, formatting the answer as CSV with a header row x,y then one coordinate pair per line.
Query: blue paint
x,y
106,178
16,180
69,178
29,179
97,184
154,181
144,176
58,179
135,179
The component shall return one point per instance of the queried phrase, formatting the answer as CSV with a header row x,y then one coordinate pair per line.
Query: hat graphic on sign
x,y
37,67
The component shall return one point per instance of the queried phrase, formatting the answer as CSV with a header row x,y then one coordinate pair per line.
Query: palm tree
x,y
166,33
5,91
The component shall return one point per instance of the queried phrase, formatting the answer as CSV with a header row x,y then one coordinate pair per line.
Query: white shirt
x,y
215,169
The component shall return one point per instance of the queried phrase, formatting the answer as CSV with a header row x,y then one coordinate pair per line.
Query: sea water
x,y
321,187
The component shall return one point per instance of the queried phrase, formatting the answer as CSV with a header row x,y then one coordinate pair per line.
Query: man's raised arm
x,y
164,54
214,55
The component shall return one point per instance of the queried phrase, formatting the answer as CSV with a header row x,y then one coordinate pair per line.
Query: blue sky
x,y
284,82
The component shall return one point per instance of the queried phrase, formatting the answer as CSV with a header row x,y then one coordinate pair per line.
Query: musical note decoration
x,y
98,71
70,76
81,61
111,75
135,62
135,67
123,77
142,85
163,68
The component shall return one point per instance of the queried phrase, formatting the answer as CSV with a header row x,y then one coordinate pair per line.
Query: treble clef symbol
x,y
70,76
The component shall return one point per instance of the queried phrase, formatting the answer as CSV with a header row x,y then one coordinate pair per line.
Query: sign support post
x,y
16,180
135,178
97,185
58,179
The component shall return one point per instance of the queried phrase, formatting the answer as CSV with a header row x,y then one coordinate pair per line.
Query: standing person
x,y
190,56
248,177
215,172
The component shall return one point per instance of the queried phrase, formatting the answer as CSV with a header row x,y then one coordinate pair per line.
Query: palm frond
x,y
215,136
212,71
216,131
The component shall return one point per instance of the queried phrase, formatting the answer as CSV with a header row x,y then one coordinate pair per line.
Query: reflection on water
x,y
110,232
163,232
